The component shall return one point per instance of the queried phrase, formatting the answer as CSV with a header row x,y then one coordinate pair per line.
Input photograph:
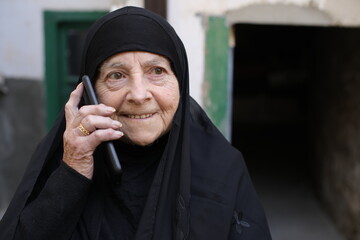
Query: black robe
x,y
201,188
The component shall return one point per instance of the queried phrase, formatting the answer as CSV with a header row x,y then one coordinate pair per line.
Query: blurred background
x,y
280,79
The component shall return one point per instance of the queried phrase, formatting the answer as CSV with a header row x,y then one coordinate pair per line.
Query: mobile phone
x,y
91,98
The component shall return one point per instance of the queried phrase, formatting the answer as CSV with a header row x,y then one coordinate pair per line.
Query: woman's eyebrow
x,y
151,62
111,65
156,61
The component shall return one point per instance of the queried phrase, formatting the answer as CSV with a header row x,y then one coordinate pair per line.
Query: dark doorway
x,y
273,66
286,80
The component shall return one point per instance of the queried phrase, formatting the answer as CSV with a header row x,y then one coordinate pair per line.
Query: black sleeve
x,y
56,211
249,220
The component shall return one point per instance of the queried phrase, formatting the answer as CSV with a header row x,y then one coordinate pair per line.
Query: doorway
x,y
279,80
273,66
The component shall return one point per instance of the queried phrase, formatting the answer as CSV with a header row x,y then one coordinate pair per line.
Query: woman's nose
x,y
138,90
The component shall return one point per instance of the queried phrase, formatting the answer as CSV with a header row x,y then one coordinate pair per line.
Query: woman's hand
x,y
98,127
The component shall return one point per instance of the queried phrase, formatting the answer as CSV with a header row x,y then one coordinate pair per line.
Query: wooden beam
x,y
157,6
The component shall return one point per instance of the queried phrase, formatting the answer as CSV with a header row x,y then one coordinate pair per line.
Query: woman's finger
x,y
90,110
93,122
71,107
100,109
103,135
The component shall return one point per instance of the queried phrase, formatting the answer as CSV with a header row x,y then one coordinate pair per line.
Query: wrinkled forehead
x,y
130,32
125,59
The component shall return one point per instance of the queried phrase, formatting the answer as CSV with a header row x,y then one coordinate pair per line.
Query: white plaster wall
x,y
188,19
190,29
22,34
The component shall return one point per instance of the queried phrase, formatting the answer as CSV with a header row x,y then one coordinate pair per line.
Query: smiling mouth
x,y
133,116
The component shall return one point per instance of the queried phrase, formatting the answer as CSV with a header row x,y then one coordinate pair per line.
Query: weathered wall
x,y
189,18
21,127
336,99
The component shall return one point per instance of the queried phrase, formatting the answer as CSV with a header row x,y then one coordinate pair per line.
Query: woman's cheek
x,y
101,92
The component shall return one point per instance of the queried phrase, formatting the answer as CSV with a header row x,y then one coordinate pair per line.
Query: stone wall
x,y
21,127
335,102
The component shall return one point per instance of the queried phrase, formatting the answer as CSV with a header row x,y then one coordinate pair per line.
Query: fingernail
x,y
110,109
119,134
117,124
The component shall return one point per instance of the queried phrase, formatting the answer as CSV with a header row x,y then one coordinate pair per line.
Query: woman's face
x,y
144,91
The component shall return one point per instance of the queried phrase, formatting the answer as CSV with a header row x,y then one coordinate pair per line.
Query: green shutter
x,y
217,100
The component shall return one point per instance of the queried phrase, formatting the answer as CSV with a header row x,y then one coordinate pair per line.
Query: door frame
x,y
218,73
55,25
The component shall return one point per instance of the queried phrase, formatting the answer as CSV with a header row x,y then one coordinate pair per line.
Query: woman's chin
x,y
139,140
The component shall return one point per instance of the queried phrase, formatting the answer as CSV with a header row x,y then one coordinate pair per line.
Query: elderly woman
x,y
180,179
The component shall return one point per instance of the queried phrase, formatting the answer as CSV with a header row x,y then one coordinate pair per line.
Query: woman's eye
x,y
158,70
116,75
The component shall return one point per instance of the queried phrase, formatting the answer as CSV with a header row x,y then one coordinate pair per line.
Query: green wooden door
x,y
64,36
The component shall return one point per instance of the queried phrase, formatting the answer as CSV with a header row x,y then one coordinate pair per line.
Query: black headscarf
x,y
201,189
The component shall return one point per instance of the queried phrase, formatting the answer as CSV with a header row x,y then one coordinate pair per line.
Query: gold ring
x,y
83,130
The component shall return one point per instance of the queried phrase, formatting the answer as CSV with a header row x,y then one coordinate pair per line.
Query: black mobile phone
x,y
91,98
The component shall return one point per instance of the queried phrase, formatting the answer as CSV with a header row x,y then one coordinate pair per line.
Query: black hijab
x,y
201,182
